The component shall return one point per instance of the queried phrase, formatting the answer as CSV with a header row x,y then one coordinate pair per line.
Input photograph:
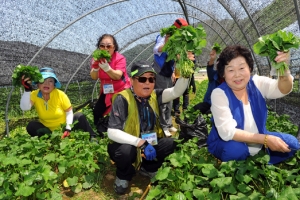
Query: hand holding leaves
x,y
269,45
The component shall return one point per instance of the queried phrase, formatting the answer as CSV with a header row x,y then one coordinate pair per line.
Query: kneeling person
x,y
135,129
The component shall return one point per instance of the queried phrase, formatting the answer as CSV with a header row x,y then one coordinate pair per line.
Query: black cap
x,y
140,67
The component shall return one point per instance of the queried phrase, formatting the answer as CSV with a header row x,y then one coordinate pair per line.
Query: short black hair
x,y
231,52
108,35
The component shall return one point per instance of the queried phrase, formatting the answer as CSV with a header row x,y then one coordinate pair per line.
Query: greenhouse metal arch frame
x,y
192,4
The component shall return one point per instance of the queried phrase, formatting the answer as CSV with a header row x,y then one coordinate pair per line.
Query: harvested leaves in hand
x,y
268,45
184,39
98,54
217,48
31,72
168,31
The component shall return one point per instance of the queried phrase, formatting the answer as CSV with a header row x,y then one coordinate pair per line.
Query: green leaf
x,y
188,186
77,188
100,53
72,181
24,190
220,182
50,157
162,173
31,72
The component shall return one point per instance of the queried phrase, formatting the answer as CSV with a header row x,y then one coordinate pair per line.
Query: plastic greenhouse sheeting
x,y
63,34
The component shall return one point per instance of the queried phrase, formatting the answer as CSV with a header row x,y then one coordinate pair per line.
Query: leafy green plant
x,y
31,72
268,45
184,39
168,30
217,48
35,168
99,53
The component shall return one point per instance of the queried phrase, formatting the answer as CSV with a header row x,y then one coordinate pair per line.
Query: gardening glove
x,y
26,84
66,133
104,65
95,64
149,151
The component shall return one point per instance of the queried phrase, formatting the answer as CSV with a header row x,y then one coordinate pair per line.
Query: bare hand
x,y
277,144
212,56
190,55
283,57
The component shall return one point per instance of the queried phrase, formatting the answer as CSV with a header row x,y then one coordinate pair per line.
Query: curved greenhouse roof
x,y
63,34
76,25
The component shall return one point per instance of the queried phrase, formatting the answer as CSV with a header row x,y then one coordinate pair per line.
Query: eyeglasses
x,y
142,79
109,46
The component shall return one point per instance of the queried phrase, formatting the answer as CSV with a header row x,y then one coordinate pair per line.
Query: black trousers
x,y
204,107
99,108
124,155
35,128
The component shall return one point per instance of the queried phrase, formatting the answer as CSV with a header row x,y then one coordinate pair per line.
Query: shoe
x,y
120,186
177,114
94,140
146,173
167,133
173,129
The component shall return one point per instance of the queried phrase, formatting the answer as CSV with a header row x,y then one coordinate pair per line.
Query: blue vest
x,y
259,111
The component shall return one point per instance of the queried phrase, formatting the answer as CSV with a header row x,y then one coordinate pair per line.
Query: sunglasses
x,y
109,46
144,79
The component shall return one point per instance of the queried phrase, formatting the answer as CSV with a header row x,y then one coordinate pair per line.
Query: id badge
x,y
108,88
151,137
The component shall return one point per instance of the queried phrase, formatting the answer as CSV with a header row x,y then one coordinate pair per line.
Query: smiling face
x,y
107,44
143,90
47,86
237,74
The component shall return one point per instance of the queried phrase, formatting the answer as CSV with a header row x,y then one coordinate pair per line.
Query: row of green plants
x,y
193,173
41,168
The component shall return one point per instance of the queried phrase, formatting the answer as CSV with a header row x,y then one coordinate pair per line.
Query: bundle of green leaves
x,y
168,30
31,72
98,54
217,48
182,40
268,45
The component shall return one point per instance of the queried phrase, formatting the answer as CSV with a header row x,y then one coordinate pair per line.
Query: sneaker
x,y
173,129
167,133
94,140
120,186
177,114
146,173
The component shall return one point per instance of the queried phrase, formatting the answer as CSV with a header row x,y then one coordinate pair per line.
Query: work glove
x,y
26,84
95,64
149,151
66,133
104,65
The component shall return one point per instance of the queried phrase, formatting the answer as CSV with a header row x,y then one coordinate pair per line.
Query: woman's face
x,y
107,44
47,86
145,89
237,73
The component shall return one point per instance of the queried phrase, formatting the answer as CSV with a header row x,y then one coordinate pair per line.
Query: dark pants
x,y
99,108
176,102
124,155
36,128
204,107
165,117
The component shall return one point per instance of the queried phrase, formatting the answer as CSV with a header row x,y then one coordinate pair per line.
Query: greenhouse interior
x,y
63,35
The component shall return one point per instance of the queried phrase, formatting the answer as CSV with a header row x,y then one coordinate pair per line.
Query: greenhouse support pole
x,y
297,12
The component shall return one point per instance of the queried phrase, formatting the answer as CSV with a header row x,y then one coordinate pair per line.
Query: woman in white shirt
x,y
240,112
